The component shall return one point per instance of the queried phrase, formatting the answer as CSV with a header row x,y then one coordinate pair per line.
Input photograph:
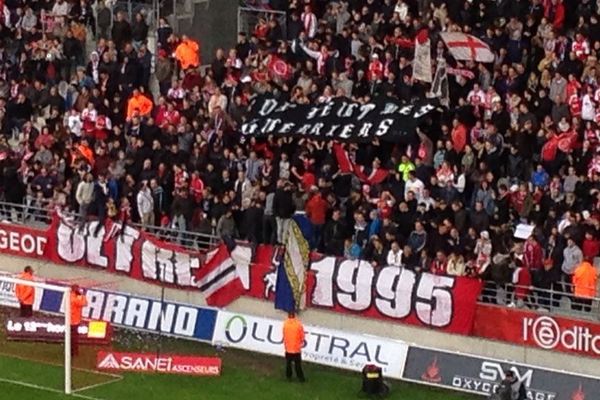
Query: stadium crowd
x,y
105,133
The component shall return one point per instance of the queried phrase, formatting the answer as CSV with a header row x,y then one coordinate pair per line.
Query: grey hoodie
x,y
572,258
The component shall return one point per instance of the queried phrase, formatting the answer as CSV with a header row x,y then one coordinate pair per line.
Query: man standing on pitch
x,y
78,301
293,340
26,293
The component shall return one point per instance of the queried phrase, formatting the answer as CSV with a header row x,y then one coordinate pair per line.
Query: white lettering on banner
x,y
250,128
397,292
365,109
435,305
140,313
548,334
350,273
395,303
94,239
89,244
137,310
332,130
128,311
424,110
494,371
346,131
384,127
71,245
316,129
323,346
22,242
324,272
326,110
124,245
268,107
287,127
364,129
166,364
114,311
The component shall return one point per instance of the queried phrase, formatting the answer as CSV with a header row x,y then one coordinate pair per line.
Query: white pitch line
x,y
95,385
47,389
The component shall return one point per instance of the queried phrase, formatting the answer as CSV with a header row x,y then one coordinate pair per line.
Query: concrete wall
x,y
419,336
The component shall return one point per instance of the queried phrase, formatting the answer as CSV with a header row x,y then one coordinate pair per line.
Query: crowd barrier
x,y
346,287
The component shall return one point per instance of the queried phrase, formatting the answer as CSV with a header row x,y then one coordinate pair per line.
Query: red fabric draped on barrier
x,y
121,249
354,287
346,286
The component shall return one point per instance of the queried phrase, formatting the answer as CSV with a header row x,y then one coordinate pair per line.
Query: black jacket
x,y
283,206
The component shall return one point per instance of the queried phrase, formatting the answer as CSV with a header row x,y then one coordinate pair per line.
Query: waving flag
x,y
440,88
422,61
373,177
290,287
467,47
278,68
225,275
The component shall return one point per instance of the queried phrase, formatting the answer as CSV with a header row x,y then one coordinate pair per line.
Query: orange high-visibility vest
x,y
78,301
25,293
140,104
187,54
293,335
585,279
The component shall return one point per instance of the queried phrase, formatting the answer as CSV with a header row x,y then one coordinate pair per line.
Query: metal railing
x,y
38,213
559,299
248,17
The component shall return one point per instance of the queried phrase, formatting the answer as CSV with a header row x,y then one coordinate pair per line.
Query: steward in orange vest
x,y
187,53
138,105
293,340
585,279
25,293
78,301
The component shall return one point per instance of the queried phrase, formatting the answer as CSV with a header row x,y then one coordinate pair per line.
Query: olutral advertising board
x,y
322,346
483,376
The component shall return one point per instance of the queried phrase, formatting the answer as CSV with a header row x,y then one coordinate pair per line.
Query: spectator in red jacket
x,y
459,136
591,246
316,210
439,266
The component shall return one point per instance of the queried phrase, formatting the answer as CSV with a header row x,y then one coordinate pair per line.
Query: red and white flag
x,y
467,47
278,68
422,61
225,275
376,176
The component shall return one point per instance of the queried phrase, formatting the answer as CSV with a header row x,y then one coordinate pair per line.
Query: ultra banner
x,y
541,331
352,286
346,286
322,346
384,118
122,249
484,375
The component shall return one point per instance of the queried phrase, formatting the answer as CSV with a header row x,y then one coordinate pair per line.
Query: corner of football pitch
x,y
34,370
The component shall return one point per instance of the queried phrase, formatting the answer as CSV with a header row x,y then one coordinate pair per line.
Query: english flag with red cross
x,y
466,47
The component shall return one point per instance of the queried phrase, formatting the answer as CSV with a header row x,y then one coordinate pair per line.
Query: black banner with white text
x,y
383,118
